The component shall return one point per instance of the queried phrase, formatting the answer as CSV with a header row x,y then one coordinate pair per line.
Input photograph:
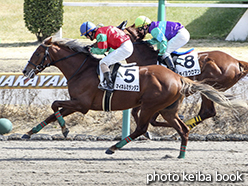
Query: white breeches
x,y
120,54
177,42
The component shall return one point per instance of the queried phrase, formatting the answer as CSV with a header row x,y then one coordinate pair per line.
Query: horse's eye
x,y
37,54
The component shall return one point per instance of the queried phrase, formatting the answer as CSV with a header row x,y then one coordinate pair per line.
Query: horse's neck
x,y
132,34
72,66
143,55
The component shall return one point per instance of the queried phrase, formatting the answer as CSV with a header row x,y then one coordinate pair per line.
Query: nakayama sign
x,y
40,81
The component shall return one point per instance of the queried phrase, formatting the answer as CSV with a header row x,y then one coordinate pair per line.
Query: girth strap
x,y
107,96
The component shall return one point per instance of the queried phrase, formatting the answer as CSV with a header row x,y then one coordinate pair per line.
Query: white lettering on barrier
x,y
9,81
43,79
20,81
17,81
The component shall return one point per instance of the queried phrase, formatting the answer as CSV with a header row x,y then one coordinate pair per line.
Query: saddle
x,y
107,96
175,55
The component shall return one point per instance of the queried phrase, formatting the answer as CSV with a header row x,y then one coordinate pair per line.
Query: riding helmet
x,y
142,21
87,27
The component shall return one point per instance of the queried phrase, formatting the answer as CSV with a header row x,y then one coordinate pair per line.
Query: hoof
x,y
66,132
109,152
181,157
25,136
148,135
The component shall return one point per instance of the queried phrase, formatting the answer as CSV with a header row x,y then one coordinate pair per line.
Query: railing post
x,y
161,10
126,123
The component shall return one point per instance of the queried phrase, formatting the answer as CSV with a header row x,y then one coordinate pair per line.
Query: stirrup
x,y
104,86
174,70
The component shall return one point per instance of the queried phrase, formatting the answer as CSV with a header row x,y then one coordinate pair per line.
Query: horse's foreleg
x,y
207,111
44,123
135,114
40,126
70,105
136,118
62,113
141,128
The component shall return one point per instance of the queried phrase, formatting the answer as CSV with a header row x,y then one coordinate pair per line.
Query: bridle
x,y
41,66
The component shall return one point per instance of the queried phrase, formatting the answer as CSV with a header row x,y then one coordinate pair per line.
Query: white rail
x,y
156,5
109,4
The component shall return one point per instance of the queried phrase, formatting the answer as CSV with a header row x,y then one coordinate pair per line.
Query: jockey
x,y
169,36
107,37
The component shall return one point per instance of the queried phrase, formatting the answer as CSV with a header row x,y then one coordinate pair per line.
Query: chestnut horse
x,y
218,69
160,88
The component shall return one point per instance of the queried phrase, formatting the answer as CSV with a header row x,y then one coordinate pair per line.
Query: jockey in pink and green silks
x,y
168,36
108,37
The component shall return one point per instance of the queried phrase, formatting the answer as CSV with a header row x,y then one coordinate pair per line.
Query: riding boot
x,y
107,83
169,62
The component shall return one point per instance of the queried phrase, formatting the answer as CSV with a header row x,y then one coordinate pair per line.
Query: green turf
x,y
201,22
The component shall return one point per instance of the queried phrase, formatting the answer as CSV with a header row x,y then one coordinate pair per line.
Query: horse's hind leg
x,y
141,128
207,111
136,119
175,122
51,118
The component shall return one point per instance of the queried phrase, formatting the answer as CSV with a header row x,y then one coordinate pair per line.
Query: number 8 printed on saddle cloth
x,y
188,65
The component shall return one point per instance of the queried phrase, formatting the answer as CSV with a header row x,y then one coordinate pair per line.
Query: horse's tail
x,y
189,87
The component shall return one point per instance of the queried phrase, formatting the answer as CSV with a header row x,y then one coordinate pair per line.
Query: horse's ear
x,y
48,41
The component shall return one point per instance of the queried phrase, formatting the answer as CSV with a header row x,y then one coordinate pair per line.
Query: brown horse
x,y
218,69
159,88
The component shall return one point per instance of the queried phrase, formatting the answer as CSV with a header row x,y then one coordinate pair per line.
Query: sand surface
x,y
62,163
36,163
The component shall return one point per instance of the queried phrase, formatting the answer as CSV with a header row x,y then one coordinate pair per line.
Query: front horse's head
x,y
39,60
134,33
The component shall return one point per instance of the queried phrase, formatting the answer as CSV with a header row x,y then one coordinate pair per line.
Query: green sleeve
x,y
153,41
162,46
111,50
161,39
97,50
101,43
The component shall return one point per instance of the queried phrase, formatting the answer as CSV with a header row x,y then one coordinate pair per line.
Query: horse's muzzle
x,y
30,74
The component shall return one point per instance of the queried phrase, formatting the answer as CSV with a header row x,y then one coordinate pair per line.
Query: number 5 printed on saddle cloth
x,y
127,79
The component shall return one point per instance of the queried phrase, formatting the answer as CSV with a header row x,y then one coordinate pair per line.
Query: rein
x,y
78,69
41,66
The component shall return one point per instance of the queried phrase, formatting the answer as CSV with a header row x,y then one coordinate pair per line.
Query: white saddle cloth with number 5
x,y
127,79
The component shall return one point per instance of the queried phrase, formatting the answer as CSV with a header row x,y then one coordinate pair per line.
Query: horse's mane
x,y
134,33
72,44
137,36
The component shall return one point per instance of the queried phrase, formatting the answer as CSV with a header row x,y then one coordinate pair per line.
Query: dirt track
x,y
85,163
